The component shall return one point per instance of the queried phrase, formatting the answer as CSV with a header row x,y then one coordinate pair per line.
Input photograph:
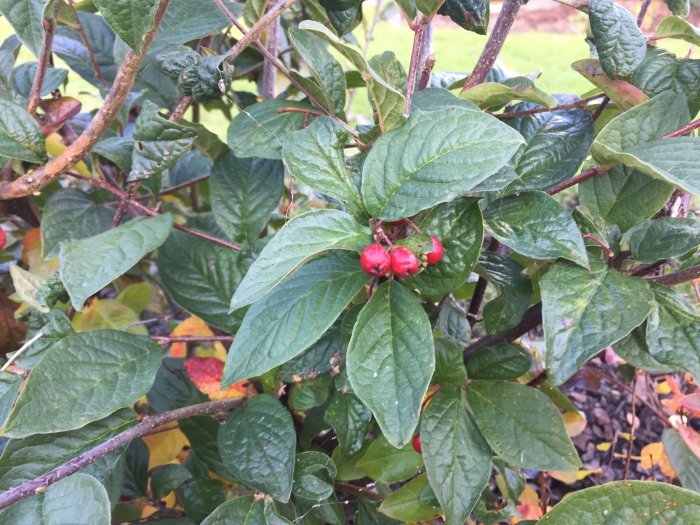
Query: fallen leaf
x,y
655,454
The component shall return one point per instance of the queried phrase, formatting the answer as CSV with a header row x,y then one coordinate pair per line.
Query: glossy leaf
x,y
405,504
9,388
320,357
585,311
27,20
638,502
385,463
390,359
472,15
619,42
315,157
511,418
91,374
244,510
662,238
449,363
244,193
257,444
453,323
350,420
536,225
130,19
344,15
635,350
293,315
458,225
313,476
90,264
496,95
167,478
302,238
20,134
420,164
502,361
457,459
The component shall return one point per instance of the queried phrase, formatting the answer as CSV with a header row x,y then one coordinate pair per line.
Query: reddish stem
x,y
600,243
561,107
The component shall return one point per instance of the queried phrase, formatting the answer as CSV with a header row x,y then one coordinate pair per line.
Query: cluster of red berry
x,y
377,260
3,238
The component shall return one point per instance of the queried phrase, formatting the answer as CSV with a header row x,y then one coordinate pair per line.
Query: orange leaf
x,y
206,373
655,454
674,402
575,422
691,438
194,326
528,506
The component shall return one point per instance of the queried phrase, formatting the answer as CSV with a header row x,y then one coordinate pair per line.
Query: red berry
x,y
416,444
3,238
400,222
375,261
436,253
404,262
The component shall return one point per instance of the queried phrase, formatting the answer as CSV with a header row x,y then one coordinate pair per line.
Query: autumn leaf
x,y
194,326
655,454
691,438
206,373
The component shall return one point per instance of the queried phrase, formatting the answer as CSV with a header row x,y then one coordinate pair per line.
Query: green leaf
x,y
20,135
422,163
585,311
502,361
459,227
201,277
244,510
57,327
203,434
557,144
26,286
511,418
427,7
310,393
9,388
201,495
23,78
25,459
624,196
515,292
91,374
130,19
621,92
166,478
678,7
457,459
304,237
315,157
159,143
472,15
683,459
257,444
350,420
313,476
537,226
117,150
324,67
79,500
320,357
673,331
496,95
661,71
619,42
387,464
344,15
390,359
449,363
88,265
405,504
388,102
453,323
662,238
27,20
173,388
244,193
635,351
260,130
638,502
679,28
293,315
68,215
432,99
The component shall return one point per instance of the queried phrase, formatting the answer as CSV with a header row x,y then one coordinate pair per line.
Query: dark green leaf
x,y
433,99
68,215
166,478
56,328
23,77
302,238
662,238
457,459
193,165
449,363
20,135
293,315
619,42
385,463
9,388
459,227
511,418
635,351
244,193
159,143
27,20
683,459
638,502
90,264
536,225
313,476
367,513
245,510
315,157
173,388
405,504
585,311
453,323
201,495
117,150
257,445
350,420
310,393
502,361
420,164
260,130
390,359
472,15
678,7
201,277
203,434
344,15
320,357
130,19
91,374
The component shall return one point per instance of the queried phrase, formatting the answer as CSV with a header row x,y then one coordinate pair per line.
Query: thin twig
x,y
413,66
39,484
584,175
348,488
560,107
34,181
480,288
601,107
269,69
543,492
192,338
182,185
426,60
681,276
643,12
600,243
634,417
19,352
88,47
684,130
180,109
506,17
123,204
38,82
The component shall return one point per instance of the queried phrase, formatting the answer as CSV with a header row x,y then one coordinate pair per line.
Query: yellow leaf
x,y
651,454
164,446
663,388
194,326
31,255
575,422
109,314
528,505
55,146
604,447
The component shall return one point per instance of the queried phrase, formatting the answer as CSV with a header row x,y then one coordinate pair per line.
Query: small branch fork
x,y
39,484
